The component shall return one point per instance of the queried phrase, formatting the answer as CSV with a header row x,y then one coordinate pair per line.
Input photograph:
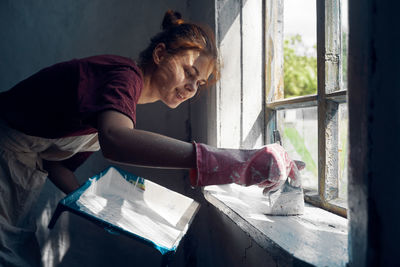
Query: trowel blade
x,y
288,200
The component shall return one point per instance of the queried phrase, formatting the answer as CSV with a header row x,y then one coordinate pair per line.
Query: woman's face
x,y
177,78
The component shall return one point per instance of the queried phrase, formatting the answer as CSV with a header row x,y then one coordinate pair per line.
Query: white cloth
x,y
21,179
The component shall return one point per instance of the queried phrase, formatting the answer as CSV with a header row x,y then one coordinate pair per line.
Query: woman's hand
x,y
267,167
121,143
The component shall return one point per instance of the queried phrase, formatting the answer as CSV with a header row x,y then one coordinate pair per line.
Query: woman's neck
x,y
148,95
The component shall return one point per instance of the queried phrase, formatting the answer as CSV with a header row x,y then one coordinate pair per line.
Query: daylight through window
x,y
306,82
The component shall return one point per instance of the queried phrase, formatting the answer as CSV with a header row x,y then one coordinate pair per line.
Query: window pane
x,y
300,53
345,34
299,134
343,128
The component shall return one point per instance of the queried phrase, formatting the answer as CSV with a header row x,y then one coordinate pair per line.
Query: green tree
x,y
300,68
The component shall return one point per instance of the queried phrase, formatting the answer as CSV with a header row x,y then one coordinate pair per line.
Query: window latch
x,y
277,137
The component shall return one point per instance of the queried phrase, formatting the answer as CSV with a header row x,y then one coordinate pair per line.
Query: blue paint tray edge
x,y
69,203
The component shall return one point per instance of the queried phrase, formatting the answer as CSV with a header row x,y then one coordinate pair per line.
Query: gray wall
x,y
36,34
374,117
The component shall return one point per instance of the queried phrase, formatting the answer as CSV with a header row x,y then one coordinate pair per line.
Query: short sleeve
x,y
103,87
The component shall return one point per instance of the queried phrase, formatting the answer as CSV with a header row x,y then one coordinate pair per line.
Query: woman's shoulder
x,y
110,60
115,63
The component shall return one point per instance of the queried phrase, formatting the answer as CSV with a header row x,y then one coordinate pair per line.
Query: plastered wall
x,y
374,119
36,34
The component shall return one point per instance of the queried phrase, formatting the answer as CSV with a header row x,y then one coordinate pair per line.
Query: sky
x,y
300,18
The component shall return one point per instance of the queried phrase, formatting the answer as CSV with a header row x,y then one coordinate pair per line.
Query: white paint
x,y
156,214
240,89
317,237
252,74
229,87
284,201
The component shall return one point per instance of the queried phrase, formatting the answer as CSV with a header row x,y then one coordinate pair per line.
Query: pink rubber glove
x,y
267,167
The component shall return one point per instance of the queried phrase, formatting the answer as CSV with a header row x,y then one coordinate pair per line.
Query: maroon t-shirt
x,y
64,99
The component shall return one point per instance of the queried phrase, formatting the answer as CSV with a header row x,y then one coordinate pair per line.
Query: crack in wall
x,y
245,251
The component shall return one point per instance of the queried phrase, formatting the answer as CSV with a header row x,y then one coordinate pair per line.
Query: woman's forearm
x,y
61,176
138,147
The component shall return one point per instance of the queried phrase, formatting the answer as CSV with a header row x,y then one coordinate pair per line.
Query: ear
x,y
159,53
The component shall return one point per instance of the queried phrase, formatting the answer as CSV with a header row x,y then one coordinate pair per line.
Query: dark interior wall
x,y
40,33
374,93
36,34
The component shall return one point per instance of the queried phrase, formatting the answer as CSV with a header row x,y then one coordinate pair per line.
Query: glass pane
x,y
300,49
345,35
343,133
299,133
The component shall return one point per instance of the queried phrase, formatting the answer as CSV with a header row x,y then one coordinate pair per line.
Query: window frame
x,y
329,95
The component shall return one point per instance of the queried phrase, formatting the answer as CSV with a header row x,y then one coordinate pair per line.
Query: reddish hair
x,y
178,36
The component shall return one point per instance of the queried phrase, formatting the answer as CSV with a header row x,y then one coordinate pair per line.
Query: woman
x,y
54,119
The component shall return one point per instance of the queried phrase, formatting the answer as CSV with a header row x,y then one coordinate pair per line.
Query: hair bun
x,y
171,19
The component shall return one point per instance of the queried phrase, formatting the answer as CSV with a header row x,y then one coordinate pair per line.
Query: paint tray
x,y
126,204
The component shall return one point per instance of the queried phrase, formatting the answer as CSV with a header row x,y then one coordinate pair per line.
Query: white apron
x,y
21,179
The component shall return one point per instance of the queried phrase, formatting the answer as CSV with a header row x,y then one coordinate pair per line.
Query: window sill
x,y
317,237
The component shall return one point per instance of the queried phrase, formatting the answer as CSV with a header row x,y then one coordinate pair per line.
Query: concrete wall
x,y
374,117
35,34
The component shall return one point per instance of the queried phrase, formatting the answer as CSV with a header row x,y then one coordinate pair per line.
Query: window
x,y
249,106
305,82
250,100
